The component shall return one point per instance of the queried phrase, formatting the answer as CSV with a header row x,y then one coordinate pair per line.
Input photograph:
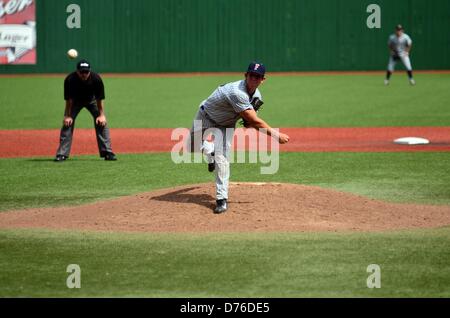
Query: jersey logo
x,y
256,66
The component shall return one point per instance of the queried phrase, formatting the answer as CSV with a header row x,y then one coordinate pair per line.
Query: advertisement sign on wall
x,y
17,32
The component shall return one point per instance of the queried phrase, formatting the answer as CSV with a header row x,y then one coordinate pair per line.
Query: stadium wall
x,y
224,35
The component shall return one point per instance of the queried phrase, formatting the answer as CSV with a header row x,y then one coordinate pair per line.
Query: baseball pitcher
x,y
220,112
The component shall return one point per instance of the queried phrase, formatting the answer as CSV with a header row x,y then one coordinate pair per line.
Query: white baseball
x,y
72,53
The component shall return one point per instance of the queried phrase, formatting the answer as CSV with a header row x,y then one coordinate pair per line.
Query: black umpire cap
x,y
83,65
399,27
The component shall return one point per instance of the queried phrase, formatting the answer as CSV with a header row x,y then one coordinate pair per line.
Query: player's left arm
x,y
258,123
100,96
408,46
101,119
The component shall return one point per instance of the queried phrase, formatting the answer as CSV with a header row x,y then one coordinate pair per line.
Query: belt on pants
x,y
207,116
202,108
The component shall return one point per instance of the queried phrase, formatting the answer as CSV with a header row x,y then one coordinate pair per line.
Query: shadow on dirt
x,y
183,196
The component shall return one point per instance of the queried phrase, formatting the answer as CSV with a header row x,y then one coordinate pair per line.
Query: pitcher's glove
x,y
256,103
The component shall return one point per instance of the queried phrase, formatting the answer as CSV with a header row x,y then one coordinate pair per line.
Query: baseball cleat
x,y
386,82
221,206
110,157
60,158
412,82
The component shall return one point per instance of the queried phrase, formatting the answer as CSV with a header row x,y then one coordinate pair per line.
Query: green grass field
x,y
290,101
413,263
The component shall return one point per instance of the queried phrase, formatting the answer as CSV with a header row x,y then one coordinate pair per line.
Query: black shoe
x,y
221,206
110,156
60,158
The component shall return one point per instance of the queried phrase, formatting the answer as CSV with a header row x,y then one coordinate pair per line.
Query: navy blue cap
x,y
256,67
83,65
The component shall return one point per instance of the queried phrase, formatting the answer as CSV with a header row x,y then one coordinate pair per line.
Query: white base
x,y
411,141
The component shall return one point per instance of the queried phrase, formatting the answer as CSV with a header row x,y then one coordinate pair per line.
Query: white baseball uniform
x,y
399,44
220,111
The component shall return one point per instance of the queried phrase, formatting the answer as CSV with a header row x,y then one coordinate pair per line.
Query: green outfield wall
x,y
224,35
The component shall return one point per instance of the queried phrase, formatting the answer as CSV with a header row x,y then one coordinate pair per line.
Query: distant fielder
x,y
220,111
399,46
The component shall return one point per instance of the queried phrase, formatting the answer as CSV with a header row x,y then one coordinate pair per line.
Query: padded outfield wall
x,y
223,35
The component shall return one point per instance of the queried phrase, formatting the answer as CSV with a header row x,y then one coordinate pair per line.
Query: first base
x,y
411,141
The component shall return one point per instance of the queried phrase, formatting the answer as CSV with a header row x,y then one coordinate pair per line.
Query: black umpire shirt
x,y
83,91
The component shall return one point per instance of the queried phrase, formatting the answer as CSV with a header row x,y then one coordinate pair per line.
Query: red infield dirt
x,y
253,207
29,143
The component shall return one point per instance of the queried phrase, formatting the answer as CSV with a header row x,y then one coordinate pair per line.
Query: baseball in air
x,y
72,53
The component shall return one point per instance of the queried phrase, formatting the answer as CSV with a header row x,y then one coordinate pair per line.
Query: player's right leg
x,y
222,145
195,138
208,151
198,138
390,70
66,135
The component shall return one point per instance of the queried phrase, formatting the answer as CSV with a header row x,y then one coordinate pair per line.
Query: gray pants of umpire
x,y
102,133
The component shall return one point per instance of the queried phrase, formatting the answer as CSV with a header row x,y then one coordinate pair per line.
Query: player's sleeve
x,y
239,102
99,89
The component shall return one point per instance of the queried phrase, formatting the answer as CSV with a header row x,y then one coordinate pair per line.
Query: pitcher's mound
x,y
253,207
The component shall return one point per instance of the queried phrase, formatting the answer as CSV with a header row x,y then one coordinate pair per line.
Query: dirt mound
x,y
253,207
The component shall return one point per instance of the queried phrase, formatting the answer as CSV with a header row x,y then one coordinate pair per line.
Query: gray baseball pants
x,y
102,133
223,137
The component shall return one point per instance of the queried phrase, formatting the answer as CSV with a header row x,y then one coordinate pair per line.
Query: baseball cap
x,y
83,65
399,27
256,67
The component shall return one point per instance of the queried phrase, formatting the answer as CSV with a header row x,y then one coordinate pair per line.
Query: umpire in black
x,y
84,88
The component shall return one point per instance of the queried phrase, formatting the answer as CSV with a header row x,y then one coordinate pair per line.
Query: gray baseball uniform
x,y
220,111
399,44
